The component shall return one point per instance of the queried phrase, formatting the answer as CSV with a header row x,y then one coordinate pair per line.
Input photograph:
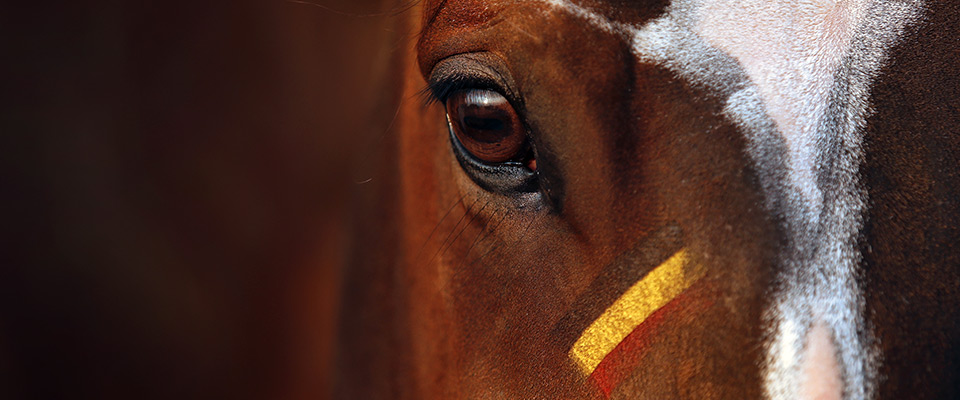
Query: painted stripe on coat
x,y
656,290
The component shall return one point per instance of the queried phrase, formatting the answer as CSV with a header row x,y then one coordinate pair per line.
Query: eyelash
x,y
438,91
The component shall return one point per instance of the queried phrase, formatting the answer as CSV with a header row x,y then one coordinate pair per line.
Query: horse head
x,y
663,199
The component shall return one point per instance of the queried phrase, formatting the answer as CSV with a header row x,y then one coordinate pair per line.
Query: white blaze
x,y
812,63
791,51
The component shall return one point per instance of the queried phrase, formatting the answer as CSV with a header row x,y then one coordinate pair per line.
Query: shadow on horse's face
x,y
621,201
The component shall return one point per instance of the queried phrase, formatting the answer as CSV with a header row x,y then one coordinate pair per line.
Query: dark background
x,y
176,183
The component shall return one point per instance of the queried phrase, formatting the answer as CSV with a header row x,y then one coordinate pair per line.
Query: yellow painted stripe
x,y
655,290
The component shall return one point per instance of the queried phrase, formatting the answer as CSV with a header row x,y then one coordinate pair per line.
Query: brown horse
x,y
663,199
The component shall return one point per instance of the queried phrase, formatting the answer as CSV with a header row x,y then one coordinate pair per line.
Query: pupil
x,y
487,124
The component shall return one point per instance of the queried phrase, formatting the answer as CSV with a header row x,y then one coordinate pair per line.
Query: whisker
x,y
465,226
515,243
445,215
452,230
485,233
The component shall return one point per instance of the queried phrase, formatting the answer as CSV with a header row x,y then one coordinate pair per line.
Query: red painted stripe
x,y
624,358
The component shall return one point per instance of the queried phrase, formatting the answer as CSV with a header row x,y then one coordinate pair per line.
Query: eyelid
x,y
471,71
439,90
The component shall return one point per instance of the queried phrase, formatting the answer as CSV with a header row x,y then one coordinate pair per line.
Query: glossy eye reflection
x,y
486,124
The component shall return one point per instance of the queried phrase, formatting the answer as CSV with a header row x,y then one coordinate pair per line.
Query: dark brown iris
x,y
486,124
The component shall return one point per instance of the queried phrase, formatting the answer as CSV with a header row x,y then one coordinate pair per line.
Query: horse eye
x,y
486,125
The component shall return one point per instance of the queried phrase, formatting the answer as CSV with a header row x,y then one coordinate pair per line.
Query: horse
x,y
590,199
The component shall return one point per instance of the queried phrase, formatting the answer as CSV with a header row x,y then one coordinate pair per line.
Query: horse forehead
x,y
791,52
